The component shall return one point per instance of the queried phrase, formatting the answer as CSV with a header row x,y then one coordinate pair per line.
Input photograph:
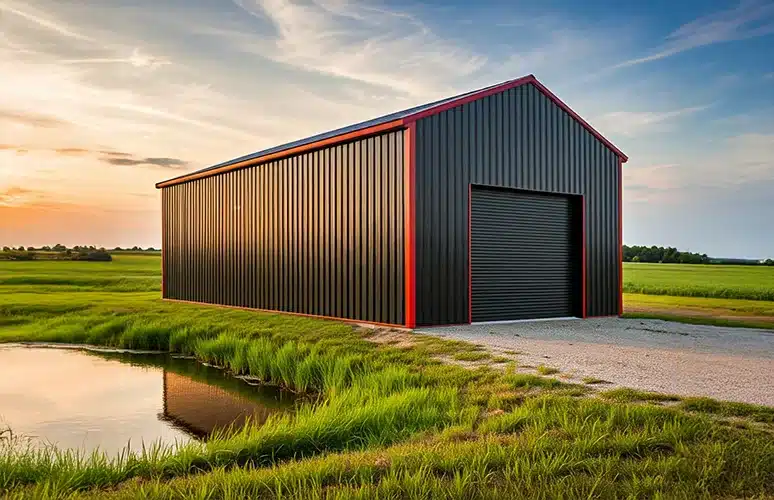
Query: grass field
x,y
728,282
702,294
701,310
388,421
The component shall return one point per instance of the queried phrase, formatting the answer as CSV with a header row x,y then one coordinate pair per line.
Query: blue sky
x,y
99,100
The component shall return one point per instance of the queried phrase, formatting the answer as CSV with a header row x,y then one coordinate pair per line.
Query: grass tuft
x,y
547,370
594,381
627,395
763,414
471,356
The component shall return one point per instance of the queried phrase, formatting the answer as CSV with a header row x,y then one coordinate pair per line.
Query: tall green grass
x,y
361,395
687,280
551,447
360,417
378,421
59,284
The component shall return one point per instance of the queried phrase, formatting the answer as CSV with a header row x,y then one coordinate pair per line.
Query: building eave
x,y
393,125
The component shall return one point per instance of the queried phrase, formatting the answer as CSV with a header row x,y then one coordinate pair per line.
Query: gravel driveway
x,y
733,364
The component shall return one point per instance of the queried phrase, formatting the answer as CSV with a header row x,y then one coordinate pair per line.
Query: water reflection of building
x,y
200,408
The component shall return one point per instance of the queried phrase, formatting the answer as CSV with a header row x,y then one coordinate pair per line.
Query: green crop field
x,y
127,273
386,421
696,280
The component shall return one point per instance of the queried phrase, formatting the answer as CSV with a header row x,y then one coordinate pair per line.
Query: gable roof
x,y
383,123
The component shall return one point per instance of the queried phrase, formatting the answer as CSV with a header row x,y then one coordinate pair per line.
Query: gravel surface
x,y
732,364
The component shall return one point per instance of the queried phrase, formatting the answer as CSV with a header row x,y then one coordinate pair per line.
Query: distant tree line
x,y
76,248
671,255
56,252
135,249
61,252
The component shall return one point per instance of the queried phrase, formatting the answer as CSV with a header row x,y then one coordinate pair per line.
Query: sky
x,y
101,99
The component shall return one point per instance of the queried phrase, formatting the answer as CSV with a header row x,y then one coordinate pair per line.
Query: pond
x,y
87,400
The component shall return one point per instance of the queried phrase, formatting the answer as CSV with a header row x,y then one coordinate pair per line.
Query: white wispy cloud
x,y
87,122
651,183
633,123
136,59
76,100
42,20
748,19
751,157
354,41
742,160
557,51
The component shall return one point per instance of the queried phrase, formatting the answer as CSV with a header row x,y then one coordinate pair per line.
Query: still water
x,y
77,399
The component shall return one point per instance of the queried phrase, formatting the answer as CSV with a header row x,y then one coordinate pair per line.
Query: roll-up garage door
x,y
524,255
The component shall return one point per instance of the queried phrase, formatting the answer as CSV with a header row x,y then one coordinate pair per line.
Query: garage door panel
x,y
507,284
523,255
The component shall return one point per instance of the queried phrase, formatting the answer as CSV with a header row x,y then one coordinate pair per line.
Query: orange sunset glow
x,y
101,100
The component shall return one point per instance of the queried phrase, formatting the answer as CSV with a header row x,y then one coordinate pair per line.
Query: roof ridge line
x,y
398,121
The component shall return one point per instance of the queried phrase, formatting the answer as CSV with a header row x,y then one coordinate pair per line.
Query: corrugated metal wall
x,y
319,233
521,139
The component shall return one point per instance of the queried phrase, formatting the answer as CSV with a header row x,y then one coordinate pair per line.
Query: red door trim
x,y
582,199
620,236
470,254
584,313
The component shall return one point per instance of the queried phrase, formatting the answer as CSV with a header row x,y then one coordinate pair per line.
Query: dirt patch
x,y
388,336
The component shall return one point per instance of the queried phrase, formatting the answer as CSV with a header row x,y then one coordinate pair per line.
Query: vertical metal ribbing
x,y
319,233
517,139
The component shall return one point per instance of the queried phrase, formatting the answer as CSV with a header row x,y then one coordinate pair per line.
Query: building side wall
x,y
520,139
320,233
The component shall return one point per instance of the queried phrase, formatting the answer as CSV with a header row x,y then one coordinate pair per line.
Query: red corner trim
x,y
472,96
163,247
409,207
470,256
620,237
623,158
583,257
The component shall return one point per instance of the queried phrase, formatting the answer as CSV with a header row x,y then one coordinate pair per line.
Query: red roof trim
x,y
328,141
399,123
473,96
507,86
580,120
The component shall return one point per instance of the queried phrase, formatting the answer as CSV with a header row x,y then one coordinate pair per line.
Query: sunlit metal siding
x,y
521,139
319,233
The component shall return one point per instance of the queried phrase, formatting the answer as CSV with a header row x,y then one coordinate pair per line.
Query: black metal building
x,y
494,205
